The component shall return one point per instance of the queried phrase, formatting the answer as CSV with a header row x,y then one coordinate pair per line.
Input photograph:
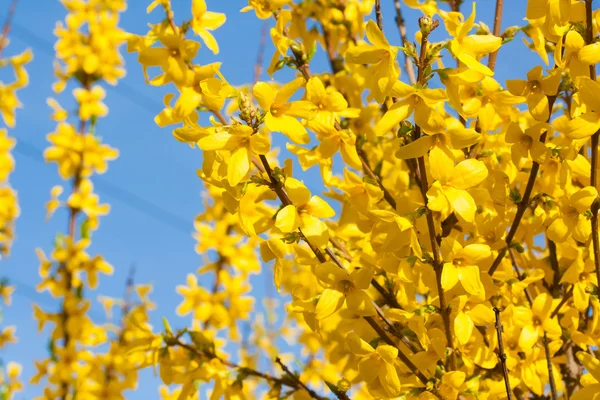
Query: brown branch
x,y
379,15
258,66
296,379
7,24
285,200
437,263
501,354
248,371
564,299
522,207
497,22
549,365
553,258
589,37
401,23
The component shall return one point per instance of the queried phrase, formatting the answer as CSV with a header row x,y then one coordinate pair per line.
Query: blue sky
x,y
154,172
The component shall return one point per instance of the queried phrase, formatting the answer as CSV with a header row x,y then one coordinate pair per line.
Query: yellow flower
x,y
304,213
90,102
537,89
526,143
537,320
461,264
205,21
264,8
72,151
383,72
242,143
467,315
331,105
588,122
572,220
422,101
582,275
468,49
281,114
377,367
449,191
342,286
172,59
590,381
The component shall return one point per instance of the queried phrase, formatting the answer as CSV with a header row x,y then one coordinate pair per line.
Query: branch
x,y
437,264
7,24
296,379
497,22
589,38
408,65
378,15
501,354
549,364
524,201
249,371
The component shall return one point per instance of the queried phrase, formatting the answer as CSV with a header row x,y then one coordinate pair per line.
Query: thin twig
x,y
564,299
248,371
589,37
7,24
401,23
379,15
437,264
501,354
258,66
497,22
522,207
553,391
296,379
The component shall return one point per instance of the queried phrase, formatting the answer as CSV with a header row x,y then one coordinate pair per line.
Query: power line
x,y
125,90
133,95
131,199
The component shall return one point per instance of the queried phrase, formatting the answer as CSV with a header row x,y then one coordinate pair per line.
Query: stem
x,y
379,15
437,264
549,364
258,66
249,371
497,22
522,207
7,23
501,354
565,298
553,263
408,65
283,197
589,37
296,379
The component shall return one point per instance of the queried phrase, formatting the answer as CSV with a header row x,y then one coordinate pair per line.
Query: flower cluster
x,y
87,52
453,251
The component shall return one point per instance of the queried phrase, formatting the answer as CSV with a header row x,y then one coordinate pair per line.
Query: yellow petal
x,y
239,165
468,173
287,219
297,191
264,95
583,126
538,106
400,111
360,303
449,276
462,203
329,302
481,315
463,328
416,149
471,280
